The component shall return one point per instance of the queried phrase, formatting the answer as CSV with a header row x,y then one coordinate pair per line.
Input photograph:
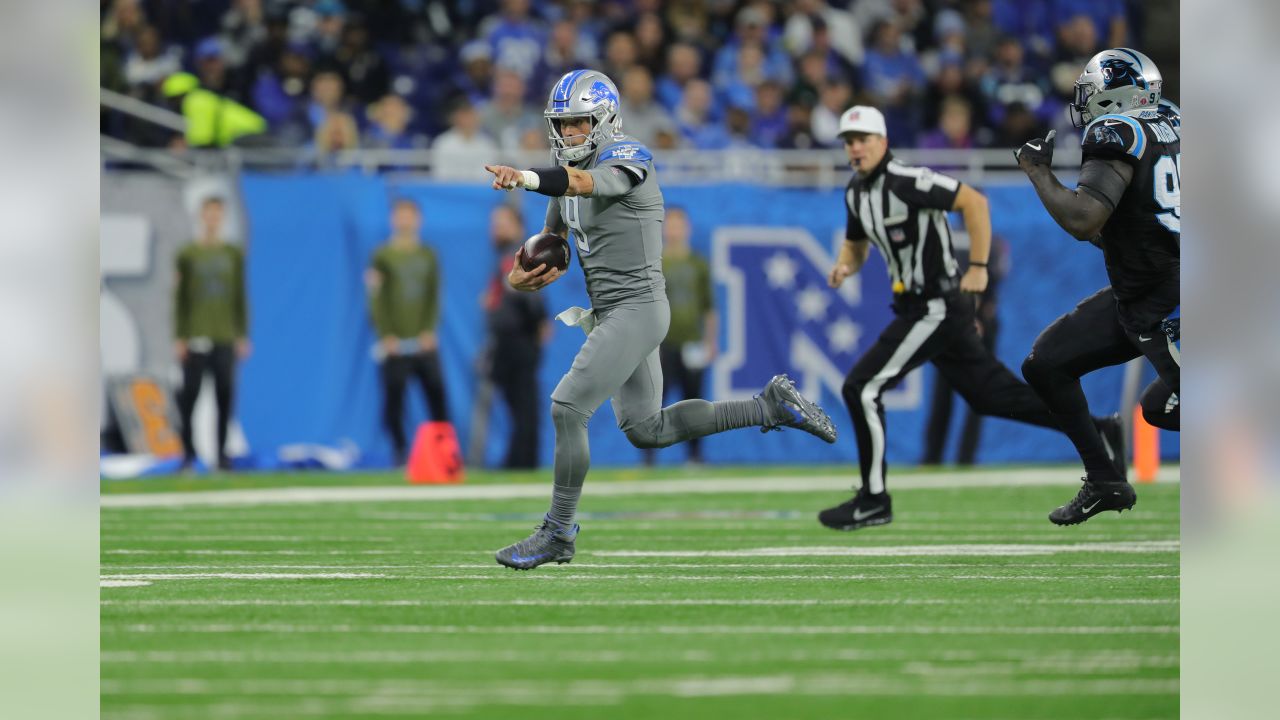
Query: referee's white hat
x,y
862,118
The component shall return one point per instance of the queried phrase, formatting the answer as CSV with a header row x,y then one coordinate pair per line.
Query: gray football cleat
x,y
548,543
784,406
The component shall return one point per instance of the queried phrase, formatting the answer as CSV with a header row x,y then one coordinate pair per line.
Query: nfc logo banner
x,y
780,315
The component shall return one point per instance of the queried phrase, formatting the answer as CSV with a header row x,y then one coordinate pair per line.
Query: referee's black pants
x,y
1098,333
940,330
220,360
396,371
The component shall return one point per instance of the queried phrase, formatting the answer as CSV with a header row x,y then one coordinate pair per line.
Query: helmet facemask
x,y
604,124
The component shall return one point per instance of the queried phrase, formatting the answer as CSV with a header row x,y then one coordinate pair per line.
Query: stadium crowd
x,y
470,76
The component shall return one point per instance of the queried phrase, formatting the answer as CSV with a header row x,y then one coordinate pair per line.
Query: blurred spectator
x,y
515,38
279,91
814,74
519,327
667,140
684,63
981,32
894,80
363,69
950,82
1009,84
810,17
739,89
738,125
1030,21
751,28
389,126
692,341
328,91
243,30
1077,42
149,64
954,130
337,133
534,140
799,134
507,116
949,42
1109,18
651,40
212,69
212,120
565,52
319,24
769,116
210,317
693,117
643,117
461,152
122,24
476,80
403,280
835,99
620,54
689,23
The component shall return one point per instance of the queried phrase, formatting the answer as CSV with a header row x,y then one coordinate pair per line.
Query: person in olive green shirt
x,y
404,299
210,323
690,345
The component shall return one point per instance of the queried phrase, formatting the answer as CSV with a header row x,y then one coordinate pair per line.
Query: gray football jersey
x,y
618,230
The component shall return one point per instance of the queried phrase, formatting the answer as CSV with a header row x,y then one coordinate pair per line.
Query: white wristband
x,y
529,180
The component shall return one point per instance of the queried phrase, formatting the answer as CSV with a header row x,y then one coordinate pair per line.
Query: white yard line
x,y
723,602
122,583
641,565
1005,550
1099,661
342,629
240,576
786,484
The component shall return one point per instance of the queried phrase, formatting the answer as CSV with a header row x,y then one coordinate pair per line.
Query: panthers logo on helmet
x,y
600,92
1117,72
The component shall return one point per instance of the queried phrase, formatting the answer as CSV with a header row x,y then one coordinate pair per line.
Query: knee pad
x,y
1160,407
1034,369
647,435
852,390
563,416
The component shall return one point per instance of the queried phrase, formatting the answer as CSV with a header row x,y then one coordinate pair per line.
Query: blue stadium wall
x,y
312,377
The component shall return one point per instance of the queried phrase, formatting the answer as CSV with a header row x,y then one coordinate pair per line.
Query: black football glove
x,y
1036,152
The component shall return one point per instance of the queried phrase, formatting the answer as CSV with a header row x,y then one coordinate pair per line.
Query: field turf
x,y
693,595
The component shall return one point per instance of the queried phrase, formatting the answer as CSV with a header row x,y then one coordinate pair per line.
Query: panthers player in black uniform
x,y
1128,203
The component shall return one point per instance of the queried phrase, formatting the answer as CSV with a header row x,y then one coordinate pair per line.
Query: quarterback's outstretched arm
x,y
1083,211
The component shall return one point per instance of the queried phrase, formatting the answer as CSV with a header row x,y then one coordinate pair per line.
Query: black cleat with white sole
x,y
1094,498
548,543
863,510
784,406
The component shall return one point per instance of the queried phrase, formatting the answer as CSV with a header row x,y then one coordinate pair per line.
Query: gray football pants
x,y
619,360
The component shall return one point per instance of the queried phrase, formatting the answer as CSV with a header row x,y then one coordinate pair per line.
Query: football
x,y
545,248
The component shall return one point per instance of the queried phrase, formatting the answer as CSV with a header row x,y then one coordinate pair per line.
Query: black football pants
x,y
396,371
940,330
221,360
1093,336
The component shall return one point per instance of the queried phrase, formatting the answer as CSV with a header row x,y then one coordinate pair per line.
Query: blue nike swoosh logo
x,y
531,558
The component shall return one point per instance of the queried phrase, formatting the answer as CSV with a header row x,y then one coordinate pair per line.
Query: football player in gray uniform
x,y
604,189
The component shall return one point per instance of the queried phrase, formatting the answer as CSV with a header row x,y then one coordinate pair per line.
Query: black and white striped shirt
x,y
902,210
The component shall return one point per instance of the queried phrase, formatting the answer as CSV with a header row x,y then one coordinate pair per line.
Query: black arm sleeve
x,y
1103,181
552,182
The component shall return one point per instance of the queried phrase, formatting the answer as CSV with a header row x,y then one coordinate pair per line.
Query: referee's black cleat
x,y
1093,498
784,406
863,510
548,543
1112,432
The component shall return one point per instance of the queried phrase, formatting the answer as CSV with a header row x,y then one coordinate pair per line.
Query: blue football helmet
x,y
1115,81
583,94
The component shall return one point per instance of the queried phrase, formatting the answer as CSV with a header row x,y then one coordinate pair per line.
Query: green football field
x,y
707,594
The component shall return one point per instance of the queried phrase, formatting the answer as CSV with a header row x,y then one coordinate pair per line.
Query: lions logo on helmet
x,y
578,95
1115,81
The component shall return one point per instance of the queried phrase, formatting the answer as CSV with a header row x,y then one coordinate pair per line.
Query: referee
x,y
902,210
